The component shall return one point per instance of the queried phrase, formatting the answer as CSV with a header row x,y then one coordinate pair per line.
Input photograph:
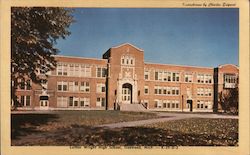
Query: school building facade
x,y
122,78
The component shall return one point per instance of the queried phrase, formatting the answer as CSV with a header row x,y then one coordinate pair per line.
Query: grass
x,y
78,128
201,131
23,124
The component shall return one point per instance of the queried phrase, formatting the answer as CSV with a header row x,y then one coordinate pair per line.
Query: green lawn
x,y
66,128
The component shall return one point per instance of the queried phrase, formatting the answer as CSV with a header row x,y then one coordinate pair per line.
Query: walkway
x,y
165,117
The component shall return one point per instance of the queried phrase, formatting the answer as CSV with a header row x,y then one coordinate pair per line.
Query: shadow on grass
x,y
80,135
25,124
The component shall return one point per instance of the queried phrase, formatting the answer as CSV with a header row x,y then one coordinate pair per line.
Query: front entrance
x,y
44,102
127,93
190,102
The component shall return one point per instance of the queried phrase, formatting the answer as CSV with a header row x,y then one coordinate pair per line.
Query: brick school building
x,y
121,79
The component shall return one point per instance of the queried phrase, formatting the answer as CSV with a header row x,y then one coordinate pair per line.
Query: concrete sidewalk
x,y
166,117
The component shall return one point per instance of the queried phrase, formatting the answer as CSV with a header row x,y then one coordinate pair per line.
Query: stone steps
x,y
132,107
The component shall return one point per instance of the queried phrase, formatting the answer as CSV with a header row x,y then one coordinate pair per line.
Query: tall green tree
x,y
34,32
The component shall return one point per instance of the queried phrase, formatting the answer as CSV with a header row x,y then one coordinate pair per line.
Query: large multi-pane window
x,y
203,104
25,85
62,101
100,101
188,77
204,78
62,86
146,75
73,86
84,102
25,100
101,72
76,102
167,76
78,70
230,80
204,91
161,90
167,104
100,88
85,87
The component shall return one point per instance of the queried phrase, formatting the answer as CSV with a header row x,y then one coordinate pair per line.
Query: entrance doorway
x,y
127,93
190,102
44,102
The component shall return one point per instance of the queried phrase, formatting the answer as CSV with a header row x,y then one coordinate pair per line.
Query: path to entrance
x,y
165,117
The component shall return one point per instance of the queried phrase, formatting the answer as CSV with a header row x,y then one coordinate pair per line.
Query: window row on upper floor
x,y
79,70
168,76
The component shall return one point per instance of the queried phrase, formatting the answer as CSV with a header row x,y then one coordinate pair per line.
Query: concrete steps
x,y
132,107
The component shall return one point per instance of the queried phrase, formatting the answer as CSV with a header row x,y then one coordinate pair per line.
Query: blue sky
x,y
197,37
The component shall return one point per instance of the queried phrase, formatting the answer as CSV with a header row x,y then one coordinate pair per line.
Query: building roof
x,y
129,45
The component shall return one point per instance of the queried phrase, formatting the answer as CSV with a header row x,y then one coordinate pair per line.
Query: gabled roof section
x,y
129,45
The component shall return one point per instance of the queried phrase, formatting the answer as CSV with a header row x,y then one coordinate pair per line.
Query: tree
x,y
34,32
229,100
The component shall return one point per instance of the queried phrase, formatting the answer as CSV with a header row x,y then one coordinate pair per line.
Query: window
x,y
100,102
159,90
167,76
168,103
85,71
168,90
65,69
158,103
204,91
84,102
230,80
188,77
146,75
25,101
62,69
127,60
71,86
71,69
62,102
156,76
204,78
71,101
175,76
177,105
62,86
173,105
177,91
25,85
203,104
75,102
84,87
101,88
165,91
146,90
28,85
22,100
77,72
101,72
59,69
